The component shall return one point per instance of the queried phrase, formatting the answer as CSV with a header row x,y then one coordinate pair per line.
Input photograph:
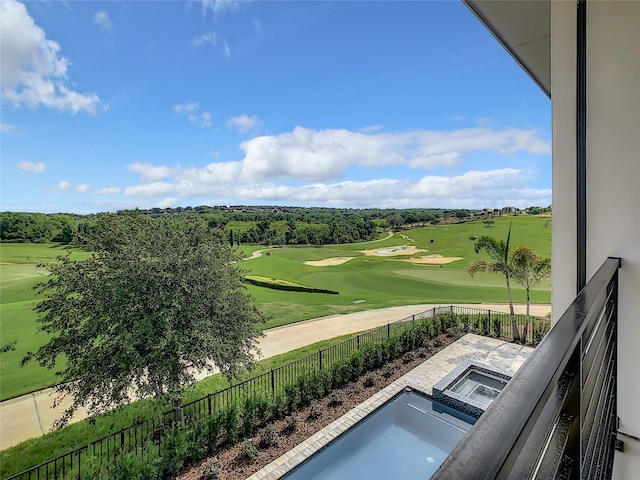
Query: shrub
x,y
315,411
496,327
388,371
248,451
291,424
133,467
279,406
232,423
336,399
463,321
212,468
214,426
357,364
409,357
248,416
268,436
292,396
484,325
424,352
437,342
173,451
540,329
369,380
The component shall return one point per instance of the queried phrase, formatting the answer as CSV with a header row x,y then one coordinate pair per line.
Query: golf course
x,y
420,265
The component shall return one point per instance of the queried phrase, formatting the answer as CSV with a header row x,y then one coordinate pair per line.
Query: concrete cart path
x,y
33,415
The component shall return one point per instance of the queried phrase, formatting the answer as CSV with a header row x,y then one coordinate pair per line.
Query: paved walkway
x,y
33,415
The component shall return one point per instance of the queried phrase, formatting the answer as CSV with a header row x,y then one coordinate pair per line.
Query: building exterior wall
x,y
613,170
563,122
613,176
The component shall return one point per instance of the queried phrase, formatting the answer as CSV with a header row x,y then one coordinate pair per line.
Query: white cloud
x,y
209,38
33,71
32,167
193,113
219,6
82,188
182,108
8,128
203,119
473,189
107,190
225,48
150,172
62,185
244,123
316,161
101,19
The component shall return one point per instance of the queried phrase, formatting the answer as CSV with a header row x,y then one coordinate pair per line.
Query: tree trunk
x,y
525,330
176,408
514,325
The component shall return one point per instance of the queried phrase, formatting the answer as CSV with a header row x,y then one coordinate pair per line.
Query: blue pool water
x,y
404,439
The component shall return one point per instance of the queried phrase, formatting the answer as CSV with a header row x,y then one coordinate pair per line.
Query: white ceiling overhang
x,y
523,27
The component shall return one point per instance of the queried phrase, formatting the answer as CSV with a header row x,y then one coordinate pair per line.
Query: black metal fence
x,y
144,435
557,417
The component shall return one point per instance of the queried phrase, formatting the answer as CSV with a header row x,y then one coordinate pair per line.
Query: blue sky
x,y
114,105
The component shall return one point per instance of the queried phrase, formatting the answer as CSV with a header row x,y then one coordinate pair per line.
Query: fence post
x,y
209,403
413,321
273,385
358,341
320,358
388,330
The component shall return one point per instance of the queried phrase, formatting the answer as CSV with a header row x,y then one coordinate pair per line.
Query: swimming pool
x,y
404,439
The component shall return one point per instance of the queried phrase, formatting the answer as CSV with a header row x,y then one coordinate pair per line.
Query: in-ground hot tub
x,y
406,438
470,387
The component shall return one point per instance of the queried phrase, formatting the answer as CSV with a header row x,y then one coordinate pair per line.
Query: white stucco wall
x,y
563,120
613,177
613,170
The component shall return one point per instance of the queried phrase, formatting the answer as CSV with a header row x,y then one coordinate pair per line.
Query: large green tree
x,y
498,251
158,301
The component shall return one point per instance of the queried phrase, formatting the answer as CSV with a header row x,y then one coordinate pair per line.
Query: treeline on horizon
x,y
257,225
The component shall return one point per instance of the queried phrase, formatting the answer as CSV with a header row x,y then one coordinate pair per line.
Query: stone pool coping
x,y
495,353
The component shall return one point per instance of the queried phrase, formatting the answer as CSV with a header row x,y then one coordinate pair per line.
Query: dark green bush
x,y
315,411
232,423
132,467
174,449
292,396
496,327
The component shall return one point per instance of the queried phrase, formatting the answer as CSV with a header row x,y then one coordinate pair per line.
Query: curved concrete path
x,y
33,415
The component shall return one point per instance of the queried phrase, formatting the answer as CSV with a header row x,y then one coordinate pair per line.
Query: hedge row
x,y
184,445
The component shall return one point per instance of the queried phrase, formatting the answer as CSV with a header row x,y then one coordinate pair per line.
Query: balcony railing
x,y
557,416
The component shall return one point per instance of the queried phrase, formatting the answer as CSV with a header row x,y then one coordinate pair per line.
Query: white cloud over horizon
x,y
62,185
33,167
33,71
319,159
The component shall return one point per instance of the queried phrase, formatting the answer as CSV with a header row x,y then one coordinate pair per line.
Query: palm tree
x,y
500,262
529,268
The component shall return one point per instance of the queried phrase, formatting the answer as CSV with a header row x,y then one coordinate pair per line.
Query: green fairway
x,y
363,282
18,274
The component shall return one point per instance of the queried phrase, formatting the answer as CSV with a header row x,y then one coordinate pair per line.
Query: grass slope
x,y
380,282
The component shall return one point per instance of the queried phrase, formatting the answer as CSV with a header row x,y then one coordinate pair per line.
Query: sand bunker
x,y
393,251
431,259
328,262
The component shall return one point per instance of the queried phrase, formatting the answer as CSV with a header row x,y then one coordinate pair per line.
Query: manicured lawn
x,y
370,281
